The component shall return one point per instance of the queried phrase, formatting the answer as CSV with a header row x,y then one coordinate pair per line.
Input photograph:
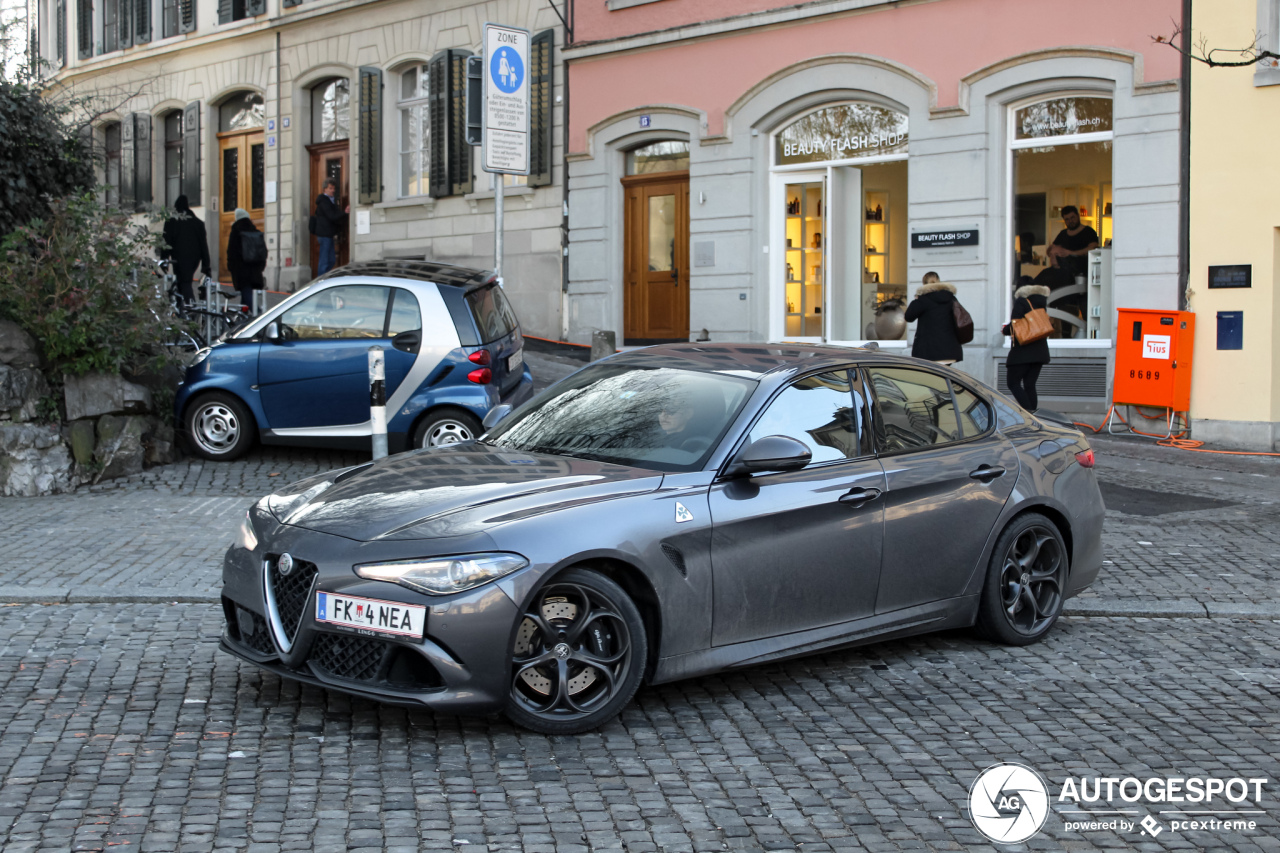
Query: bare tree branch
x,y
1254,54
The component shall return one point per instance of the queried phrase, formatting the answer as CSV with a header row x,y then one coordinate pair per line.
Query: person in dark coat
x,y
936,338
1025,360
186,245
246,276
330,222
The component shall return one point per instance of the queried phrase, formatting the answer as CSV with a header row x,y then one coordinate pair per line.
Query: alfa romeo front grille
x,y
356,658
291,592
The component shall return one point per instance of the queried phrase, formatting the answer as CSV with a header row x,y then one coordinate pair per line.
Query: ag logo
x,y
1008,803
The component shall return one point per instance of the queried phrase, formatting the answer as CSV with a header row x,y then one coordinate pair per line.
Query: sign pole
x,y
498,226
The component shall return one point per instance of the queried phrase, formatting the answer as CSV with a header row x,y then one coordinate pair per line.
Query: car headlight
x,y
444,575
200,356
245,537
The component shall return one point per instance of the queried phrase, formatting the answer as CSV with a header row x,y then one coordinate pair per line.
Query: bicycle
x,y
205,325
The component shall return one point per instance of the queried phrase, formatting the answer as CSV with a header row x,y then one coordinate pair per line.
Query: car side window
x,y
818,411
972,411
350,311
405,314
915,409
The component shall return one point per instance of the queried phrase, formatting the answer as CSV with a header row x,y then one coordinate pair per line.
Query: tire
x,y
219,426
1022,597
557,643
446,426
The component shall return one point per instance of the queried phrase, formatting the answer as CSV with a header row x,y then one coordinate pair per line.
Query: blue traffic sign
x,y
506,71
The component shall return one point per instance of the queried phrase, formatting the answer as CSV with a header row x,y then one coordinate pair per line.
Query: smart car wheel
x,y
578,656
219,426
446,426
1022,597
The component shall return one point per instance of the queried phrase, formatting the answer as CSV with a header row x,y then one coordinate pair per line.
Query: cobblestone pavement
x,y
123,728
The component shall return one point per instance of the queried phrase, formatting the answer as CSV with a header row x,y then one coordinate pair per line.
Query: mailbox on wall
x,y
1153,358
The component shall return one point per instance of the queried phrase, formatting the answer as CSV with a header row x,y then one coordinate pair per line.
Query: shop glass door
x,y
805,257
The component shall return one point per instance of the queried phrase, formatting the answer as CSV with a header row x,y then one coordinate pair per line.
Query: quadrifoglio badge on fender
x,y
1009,803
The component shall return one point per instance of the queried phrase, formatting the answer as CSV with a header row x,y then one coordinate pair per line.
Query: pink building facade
x,y
742,170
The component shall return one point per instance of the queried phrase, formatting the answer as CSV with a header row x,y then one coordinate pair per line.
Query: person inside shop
x,y
936,338
1070,250
330,222
1024,362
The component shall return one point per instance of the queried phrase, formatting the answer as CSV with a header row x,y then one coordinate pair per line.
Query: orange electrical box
x,y
1153,358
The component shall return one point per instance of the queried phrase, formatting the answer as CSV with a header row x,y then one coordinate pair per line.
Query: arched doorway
x,y
242,167
656,244
330,152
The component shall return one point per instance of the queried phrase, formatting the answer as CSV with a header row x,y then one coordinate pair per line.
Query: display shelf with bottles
x,y
1104,215
804,259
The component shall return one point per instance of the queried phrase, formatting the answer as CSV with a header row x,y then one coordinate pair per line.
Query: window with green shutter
x,y
541,101
369,133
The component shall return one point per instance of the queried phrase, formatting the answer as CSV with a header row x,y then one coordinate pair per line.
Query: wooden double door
x,y
242,169
656,258
329,160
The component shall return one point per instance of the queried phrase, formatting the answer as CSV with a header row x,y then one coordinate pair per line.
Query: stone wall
x,y
111,427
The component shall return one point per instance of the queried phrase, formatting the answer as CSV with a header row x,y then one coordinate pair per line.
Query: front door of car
x,y
948,475
799,550
317,374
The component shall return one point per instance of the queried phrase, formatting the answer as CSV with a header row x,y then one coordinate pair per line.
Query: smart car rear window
x,y
492,313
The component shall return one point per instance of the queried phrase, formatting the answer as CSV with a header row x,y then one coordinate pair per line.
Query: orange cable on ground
x,y
1175,441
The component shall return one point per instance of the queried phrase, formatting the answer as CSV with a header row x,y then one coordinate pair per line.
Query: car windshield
x,y
665,419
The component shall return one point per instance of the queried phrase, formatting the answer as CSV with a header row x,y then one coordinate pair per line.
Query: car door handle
x,y
986,473
859,496
407,341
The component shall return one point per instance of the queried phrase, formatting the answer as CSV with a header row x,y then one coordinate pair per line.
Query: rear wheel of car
x,y
446,426
578,656
219,426
1022,598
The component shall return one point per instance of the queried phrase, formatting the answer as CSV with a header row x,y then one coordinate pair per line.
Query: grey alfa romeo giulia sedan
x,y
662,514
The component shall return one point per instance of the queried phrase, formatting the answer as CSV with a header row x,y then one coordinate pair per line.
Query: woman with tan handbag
x,y
1029,327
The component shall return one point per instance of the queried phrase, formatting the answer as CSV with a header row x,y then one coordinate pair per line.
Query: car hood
x,y
451,491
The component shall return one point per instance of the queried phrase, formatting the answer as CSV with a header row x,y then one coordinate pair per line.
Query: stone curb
x,y
1181,609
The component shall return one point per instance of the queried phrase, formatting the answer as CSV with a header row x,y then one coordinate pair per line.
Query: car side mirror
x,y
496,414
272,332
771,454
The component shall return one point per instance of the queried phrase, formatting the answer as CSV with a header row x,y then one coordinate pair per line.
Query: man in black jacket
x,y
187,246
330,222
246,266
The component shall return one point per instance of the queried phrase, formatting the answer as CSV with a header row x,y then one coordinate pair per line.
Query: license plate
x,y
515,360
371,614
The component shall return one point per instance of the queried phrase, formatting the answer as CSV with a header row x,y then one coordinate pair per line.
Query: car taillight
x,y
1085,458
482,376
481,357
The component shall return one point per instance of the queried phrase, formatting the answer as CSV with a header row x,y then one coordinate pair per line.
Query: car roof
x,y
450,275
750,360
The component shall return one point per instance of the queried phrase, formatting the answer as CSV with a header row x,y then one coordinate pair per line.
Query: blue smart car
x,y
299,373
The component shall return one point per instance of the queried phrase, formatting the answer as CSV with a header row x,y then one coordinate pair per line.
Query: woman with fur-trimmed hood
x,y
936,338
1025,360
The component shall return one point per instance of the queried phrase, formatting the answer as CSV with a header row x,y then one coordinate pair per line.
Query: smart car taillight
x,y
1085,458
480,357
482,376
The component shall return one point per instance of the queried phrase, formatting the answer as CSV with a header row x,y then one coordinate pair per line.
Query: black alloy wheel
x,y
578,655
1023,595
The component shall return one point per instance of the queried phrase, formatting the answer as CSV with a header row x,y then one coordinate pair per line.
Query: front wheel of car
x,y
578,656
219,427
1026,579
444,427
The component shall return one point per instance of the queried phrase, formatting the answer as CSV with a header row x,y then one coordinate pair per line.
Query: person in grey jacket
x,y
1025,360
936,338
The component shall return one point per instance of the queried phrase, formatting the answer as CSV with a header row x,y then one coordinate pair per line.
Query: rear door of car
x,y
948,475
317,373
799,550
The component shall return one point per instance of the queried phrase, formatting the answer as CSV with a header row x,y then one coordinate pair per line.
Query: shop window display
x,y
1061,152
